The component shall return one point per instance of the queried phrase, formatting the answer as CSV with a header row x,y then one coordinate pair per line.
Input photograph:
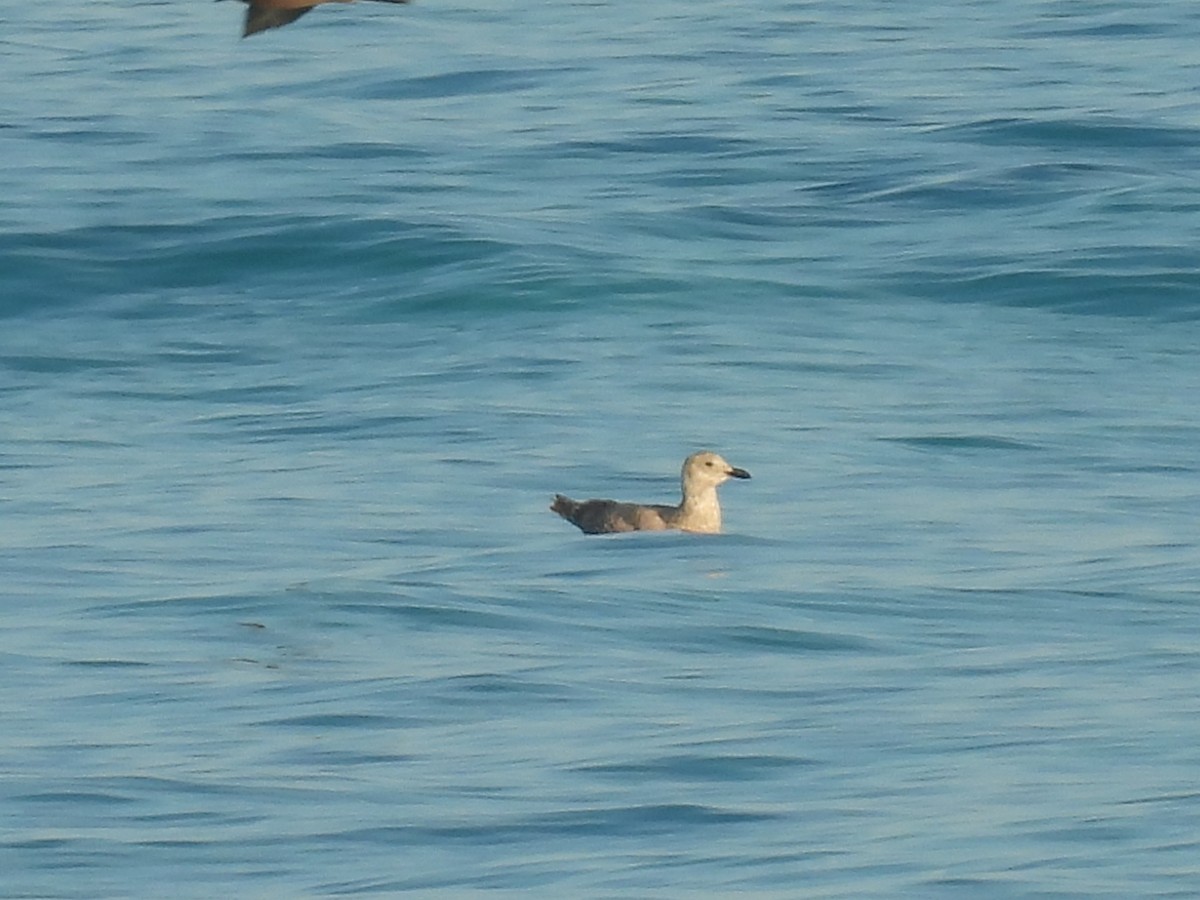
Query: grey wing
x,y
609,516
594,516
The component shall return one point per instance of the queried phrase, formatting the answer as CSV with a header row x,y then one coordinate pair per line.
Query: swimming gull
x,y
264,14
698,511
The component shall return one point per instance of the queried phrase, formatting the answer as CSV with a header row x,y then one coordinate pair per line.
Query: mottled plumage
x,y
698,510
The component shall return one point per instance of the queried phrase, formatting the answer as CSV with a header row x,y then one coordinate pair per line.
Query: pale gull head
x,y
705,470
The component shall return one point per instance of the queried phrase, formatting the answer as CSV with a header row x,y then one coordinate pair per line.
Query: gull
x,y
264,14
698,511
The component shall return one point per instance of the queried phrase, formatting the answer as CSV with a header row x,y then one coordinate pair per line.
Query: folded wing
x,y
609,516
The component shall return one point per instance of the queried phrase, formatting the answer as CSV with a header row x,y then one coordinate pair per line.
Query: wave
x,y
1143,282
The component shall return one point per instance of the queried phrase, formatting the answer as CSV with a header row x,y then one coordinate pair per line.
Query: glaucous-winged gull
x,y
698,511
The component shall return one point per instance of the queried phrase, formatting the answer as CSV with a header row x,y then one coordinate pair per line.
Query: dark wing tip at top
x,y
261,18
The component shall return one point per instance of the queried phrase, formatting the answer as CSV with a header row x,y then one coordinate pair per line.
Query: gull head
x,y
708,469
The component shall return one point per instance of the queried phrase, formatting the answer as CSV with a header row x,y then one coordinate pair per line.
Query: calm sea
x,y
300,334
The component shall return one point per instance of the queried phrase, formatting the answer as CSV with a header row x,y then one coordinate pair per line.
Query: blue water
x,y
300,334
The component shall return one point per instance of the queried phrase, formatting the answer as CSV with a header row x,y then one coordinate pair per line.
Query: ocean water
x,y
300,334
